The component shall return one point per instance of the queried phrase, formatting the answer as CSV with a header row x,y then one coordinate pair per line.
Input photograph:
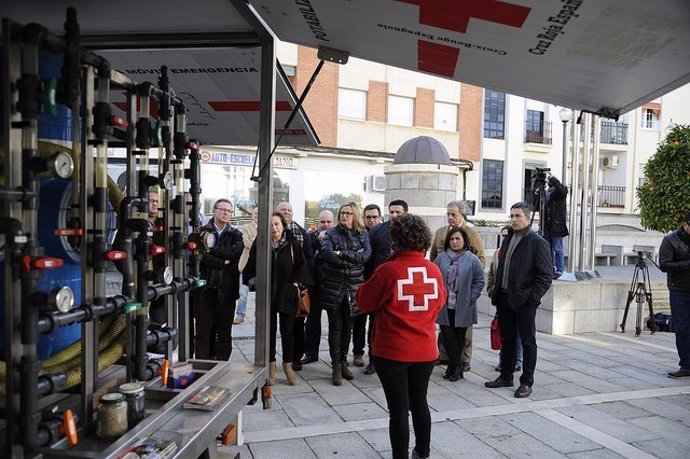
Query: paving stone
x,y
442,399
567,389
584,380
450,440
657,378
546,431
473,393
546,365
340,445
542,393
307,409
281,449
601,453
632,383
621,410
667,428
265,419
338,395
608,424
380,440
591,369
665,408
355,411
664,448
506,439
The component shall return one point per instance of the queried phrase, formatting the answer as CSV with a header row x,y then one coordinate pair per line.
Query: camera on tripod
x,y
541,172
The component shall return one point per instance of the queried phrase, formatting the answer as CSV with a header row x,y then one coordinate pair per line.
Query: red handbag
x,y
495,334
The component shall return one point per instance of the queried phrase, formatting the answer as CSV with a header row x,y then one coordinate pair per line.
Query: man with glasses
x,y
380,241
372,217
523,275
214,305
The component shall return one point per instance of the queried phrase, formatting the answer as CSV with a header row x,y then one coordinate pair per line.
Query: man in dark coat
x,y
214,305
523,275
674,260
380,241
555,228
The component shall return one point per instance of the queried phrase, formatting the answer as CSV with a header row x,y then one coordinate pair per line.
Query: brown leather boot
x,y
347,374
290,373
272,374
337,376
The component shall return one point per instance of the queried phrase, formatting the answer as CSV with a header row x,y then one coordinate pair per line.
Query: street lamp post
x,y
564,114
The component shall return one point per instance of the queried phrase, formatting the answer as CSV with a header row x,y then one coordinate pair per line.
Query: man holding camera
x,y
554,228
674,260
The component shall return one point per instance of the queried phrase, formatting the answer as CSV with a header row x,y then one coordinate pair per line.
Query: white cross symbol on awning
x,y
417,289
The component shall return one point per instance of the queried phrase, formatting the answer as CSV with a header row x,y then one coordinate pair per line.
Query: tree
x,y
665,195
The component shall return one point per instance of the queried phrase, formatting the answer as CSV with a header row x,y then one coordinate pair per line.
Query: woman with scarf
x,y
463,277
288,273
344,250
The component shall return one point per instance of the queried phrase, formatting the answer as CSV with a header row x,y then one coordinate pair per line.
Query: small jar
x,y
112,416
134,395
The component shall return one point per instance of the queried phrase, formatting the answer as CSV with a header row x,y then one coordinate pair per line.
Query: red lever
x,y
193,145
113,255
47,263
191,245
68,232
157,250
69,427
118,121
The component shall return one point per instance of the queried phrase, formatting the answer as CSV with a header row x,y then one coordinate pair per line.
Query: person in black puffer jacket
x,y
344,251
555,227
674,260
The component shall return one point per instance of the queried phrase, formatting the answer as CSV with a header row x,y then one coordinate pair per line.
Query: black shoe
x,y
456,374
466,366
447,373
498,368
297,365
680,373
518,368
370,370
308,359
499,382
523,391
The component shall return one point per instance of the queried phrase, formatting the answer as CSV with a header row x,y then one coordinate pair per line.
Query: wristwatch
x,y
338,252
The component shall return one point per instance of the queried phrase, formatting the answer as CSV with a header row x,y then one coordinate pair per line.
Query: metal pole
x,y
584,198
595,186
574,193
564,178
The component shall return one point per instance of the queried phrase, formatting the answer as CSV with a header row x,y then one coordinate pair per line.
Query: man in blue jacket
x,y
523,275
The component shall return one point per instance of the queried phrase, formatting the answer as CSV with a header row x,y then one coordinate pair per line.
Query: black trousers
x,y
286,336
513,323
339,331
312,328
405,385
453,339
360,330
213,338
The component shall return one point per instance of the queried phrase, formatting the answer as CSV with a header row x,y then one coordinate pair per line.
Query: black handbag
x,y
354,309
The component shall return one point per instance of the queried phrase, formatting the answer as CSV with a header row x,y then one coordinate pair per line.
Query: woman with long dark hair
x,y
406,293
288,271
463,277
344,250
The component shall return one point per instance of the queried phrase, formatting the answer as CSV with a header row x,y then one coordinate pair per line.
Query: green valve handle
x,y
47,96
199,283
132,307
158,132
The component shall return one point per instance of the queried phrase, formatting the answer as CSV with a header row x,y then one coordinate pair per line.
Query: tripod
x,y
641,291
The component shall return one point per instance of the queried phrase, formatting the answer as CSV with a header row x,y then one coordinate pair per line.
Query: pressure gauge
x,y
61,165
63,298
166,181
167,275
208,240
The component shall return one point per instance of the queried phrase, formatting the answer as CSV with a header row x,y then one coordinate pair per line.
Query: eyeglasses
x,y
372,217
224,209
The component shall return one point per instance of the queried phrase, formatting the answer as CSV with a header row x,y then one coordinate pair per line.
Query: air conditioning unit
x,y
376,183
610,162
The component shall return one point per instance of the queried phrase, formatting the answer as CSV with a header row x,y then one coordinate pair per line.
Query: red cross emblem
x,y
455,16
417,289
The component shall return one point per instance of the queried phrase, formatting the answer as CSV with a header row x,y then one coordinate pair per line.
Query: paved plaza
x,y
596,395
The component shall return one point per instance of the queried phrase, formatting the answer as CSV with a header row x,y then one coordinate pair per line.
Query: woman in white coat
x,y
463,277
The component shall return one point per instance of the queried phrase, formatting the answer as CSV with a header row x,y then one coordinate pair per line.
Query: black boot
x,y
456,373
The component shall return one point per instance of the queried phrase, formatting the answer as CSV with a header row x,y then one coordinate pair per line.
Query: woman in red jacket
x,y
406,293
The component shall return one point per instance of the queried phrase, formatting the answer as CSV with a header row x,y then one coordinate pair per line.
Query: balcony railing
x,y
538,132
616,133
610,196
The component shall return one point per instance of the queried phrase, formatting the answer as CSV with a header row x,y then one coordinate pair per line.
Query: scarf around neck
x,y
452,271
